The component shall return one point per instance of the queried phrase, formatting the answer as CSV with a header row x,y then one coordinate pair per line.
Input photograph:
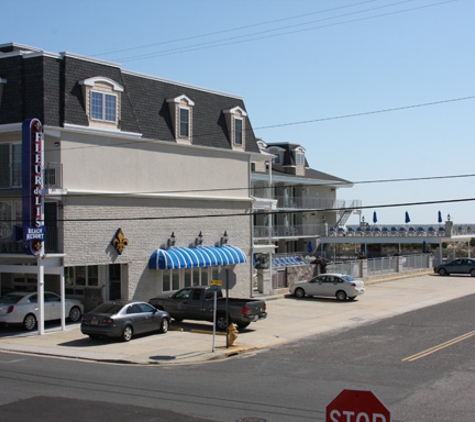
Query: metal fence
x,y
415,262
352,268
383,265
358,268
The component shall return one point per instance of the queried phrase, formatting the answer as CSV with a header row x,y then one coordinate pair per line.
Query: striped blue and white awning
x,y
201,256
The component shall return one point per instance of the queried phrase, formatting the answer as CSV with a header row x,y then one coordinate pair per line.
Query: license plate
x,y
94,321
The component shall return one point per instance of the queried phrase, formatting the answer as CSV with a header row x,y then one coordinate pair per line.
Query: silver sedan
x,y
340,286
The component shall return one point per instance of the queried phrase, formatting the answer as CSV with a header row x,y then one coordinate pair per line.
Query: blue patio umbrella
x,y
375,217
310,247
439,219
408,220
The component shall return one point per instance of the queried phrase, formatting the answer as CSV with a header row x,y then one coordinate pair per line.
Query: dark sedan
x,y
124,319
457,266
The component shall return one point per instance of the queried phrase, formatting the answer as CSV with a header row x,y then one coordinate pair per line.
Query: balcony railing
x,y
7,245
297,230
53,176
302,202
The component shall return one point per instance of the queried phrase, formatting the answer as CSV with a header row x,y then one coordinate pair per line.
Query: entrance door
x,y
115,291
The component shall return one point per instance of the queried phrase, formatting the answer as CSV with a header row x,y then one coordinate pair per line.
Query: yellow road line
x,y
439,347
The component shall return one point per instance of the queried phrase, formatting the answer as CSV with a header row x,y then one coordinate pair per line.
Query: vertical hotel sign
x,y
32,179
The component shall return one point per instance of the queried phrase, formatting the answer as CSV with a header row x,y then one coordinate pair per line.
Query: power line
x,y
261,188
412,179
259,36
245,214
224,31
367,113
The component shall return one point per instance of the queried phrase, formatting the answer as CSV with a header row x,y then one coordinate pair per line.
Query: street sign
x,y
356,406
215,283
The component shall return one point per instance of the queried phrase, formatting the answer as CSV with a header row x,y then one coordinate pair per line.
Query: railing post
x,y
400,268
364,267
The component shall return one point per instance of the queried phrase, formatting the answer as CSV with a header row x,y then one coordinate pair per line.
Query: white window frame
x,y
238,133
184,124
10,216
107,89
176,279
176,106
14,166
72,274
104,107
300,159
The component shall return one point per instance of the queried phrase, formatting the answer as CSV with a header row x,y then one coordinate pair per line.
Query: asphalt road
x,y
419,364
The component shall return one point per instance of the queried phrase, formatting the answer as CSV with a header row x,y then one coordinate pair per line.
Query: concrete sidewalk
x,y
288,319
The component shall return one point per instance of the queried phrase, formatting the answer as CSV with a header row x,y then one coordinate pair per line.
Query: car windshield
x,y
108,308
348,278
11,298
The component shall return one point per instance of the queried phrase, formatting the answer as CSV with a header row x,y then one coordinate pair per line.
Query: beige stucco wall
x,y
127,165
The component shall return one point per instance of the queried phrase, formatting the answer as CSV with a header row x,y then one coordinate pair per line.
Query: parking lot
x,y
288,319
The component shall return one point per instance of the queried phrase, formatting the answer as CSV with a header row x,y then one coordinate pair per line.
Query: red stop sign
x,y
356,406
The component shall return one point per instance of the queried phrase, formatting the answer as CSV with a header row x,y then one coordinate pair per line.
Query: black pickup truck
x,y
197,303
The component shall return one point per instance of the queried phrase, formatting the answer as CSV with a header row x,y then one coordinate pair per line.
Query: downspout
x,y
251,225
271,226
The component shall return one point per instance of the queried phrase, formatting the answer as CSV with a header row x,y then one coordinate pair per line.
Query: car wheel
x,y
340,295
164,325
29,322
352,298
127,333
93,336
300,293
178,319
472,273
221,322
243,325
75,314
443,272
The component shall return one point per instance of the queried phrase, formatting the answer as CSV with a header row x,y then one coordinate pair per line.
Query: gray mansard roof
x,y
309,173
46,86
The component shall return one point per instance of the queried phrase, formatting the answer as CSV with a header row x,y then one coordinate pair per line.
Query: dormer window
x,y
235,121
102,101
181,112
300,159
238,131
103,106
184,122
276,159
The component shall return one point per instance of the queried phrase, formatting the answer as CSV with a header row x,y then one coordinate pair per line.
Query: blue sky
x,y
303,67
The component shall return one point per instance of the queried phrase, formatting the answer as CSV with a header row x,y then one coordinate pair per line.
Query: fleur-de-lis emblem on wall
x,y
119,241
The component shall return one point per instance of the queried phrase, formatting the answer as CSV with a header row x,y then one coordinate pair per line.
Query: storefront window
x,y
188,276
166,280
80,279
196,277
204,277
76,278
176,280
24,282
215,273
93,276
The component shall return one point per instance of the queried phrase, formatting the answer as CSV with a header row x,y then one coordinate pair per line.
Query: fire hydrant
x,y
232,334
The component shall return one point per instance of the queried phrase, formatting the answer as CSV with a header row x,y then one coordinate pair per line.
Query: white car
x,y
22,308
336,285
